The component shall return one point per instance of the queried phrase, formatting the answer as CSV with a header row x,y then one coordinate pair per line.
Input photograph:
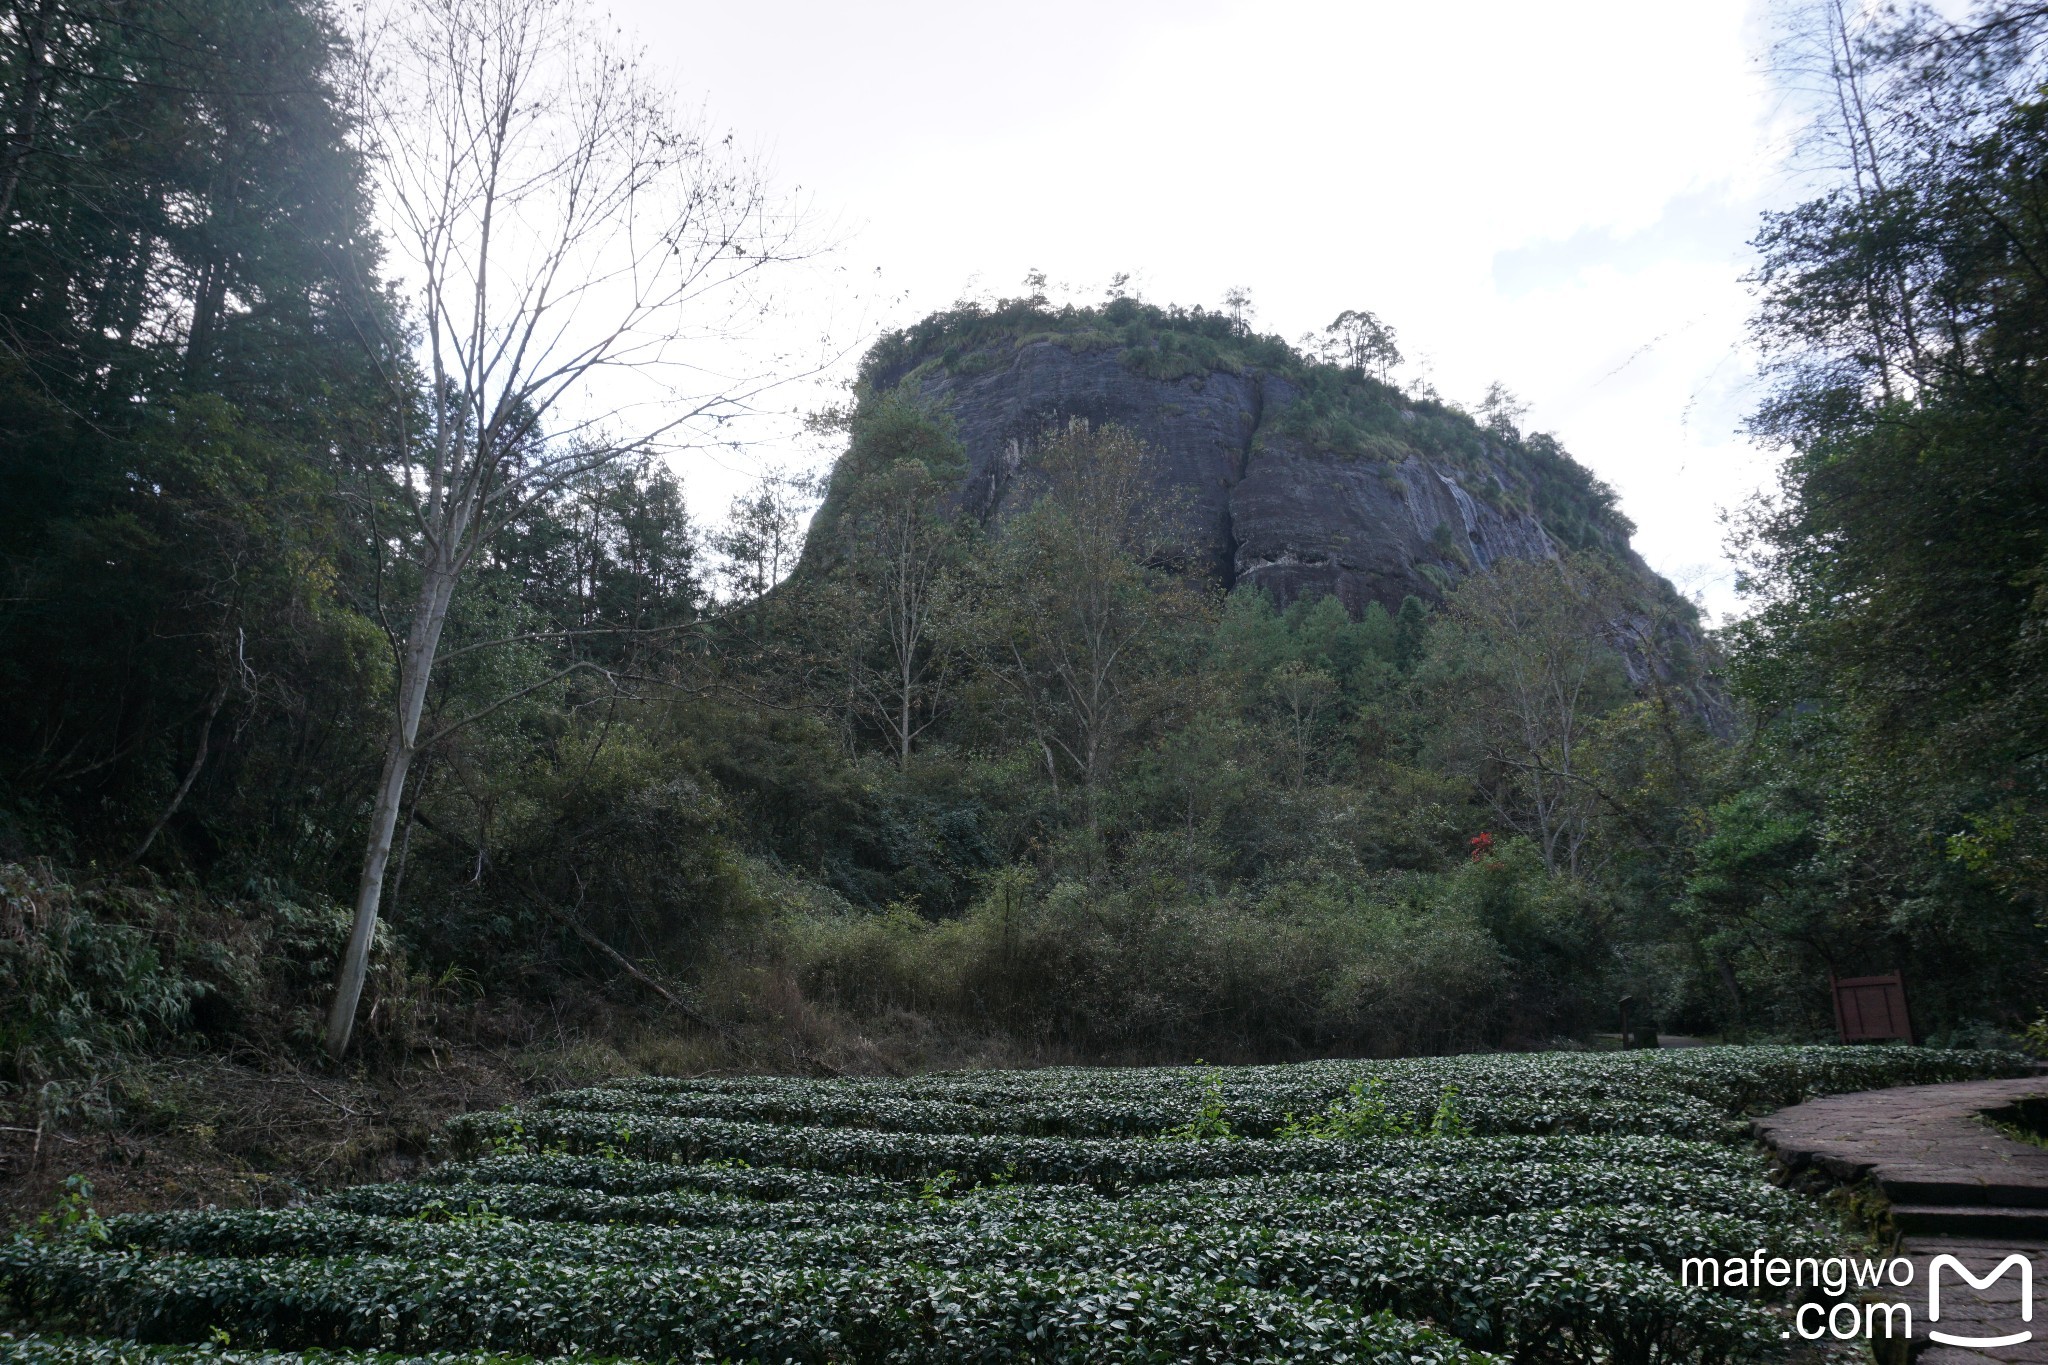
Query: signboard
x,y
1870,1009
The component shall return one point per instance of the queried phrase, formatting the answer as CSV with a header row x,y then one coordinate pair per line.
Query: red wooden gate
x,y
1871,1008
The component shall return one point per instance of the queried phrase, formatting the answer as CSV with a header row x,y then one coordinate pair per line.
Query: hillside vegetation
x,y
956,792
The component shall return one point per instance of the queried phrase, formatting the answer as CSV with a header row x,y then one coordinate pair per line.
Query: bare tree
x,y
1073,613
900,542
1895,97
1528,667
1304,696
568,238
1884,106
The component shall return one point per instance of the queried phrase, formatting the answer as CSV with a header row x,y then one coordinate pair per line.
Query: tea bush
x,y
1454,1210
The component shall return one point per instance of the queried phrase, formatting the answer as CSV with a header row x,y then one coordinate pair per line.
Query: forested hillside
x,y
1065,764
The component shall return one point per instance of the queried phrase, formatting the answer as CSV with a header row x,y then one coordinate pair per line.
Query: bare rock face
x,y
1257,503
1202,428
1366,533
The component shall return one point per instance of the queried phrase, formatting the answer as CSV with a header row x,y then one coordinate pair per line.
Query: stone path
x,y
1957,1188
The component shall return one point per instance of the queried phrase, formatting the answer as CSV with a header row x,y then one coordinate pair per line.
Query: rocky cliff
x,y
1287,474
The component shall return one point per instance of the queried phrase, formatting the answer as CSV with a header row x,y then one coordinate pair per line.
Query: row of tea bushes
x,y
1699,1177
1455,1210
1693,1092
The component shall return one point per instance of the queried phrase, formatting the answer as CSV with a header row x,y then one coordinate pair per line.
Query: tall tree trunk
x,y
29,107
903,702
422,642
220,695
208,300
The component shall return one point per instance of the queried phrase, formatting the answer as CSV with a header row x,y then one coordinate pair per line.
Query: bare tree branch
x,y
568,239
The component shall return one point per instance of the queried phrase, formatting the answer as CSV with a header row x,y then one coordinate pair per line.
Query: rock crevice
x,y
1255,502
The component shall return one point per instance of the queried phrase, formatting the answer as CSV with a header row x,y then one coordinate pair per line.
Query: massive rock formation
x,y
1262,502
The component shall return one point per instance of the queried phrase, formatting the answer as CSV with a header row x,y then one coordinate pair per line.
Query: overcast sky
x,y
1557,196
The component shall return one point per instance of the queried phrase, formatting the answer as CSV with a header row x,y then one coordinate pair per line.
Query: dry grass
x,y
200,1131
269,1130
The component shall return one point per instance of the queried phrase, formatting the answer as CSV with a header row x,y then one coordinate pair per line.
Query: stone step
x,y
1970,1220
1961,1193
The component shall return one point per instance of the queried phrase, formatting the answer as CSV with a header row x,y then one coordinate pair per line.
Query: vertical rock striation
x,y
1257,500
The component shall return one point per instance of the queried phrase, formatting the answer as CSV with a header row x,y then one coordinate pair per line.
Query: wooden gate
x,y
1871,1009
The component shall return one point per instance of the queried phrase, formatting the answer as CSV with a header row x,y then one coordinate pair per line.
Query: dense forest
x,y
904,785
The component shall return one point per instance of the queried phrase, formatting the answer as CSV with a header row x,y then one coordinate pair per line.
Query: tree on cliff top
x,y
1358,340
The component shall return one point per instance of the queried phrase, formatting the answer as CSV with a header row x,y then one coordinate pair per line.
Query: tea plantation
x,y
1437,1211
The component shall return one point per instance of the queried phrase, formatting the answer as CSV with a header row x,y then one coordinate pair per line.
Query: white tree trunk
x,y
437,588
560,223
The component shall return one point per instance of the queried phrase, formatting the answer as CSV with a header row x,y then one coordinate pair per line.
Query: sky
x,y
1555,196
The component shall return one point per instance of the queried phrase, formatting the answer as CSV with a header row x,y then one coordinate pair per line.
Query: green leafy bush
x,y
1457,1210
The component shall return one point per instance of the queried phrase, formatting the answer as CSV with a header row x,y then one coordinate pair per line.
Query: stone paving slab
x,y
1926,1145
1916,1139
1966,1311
